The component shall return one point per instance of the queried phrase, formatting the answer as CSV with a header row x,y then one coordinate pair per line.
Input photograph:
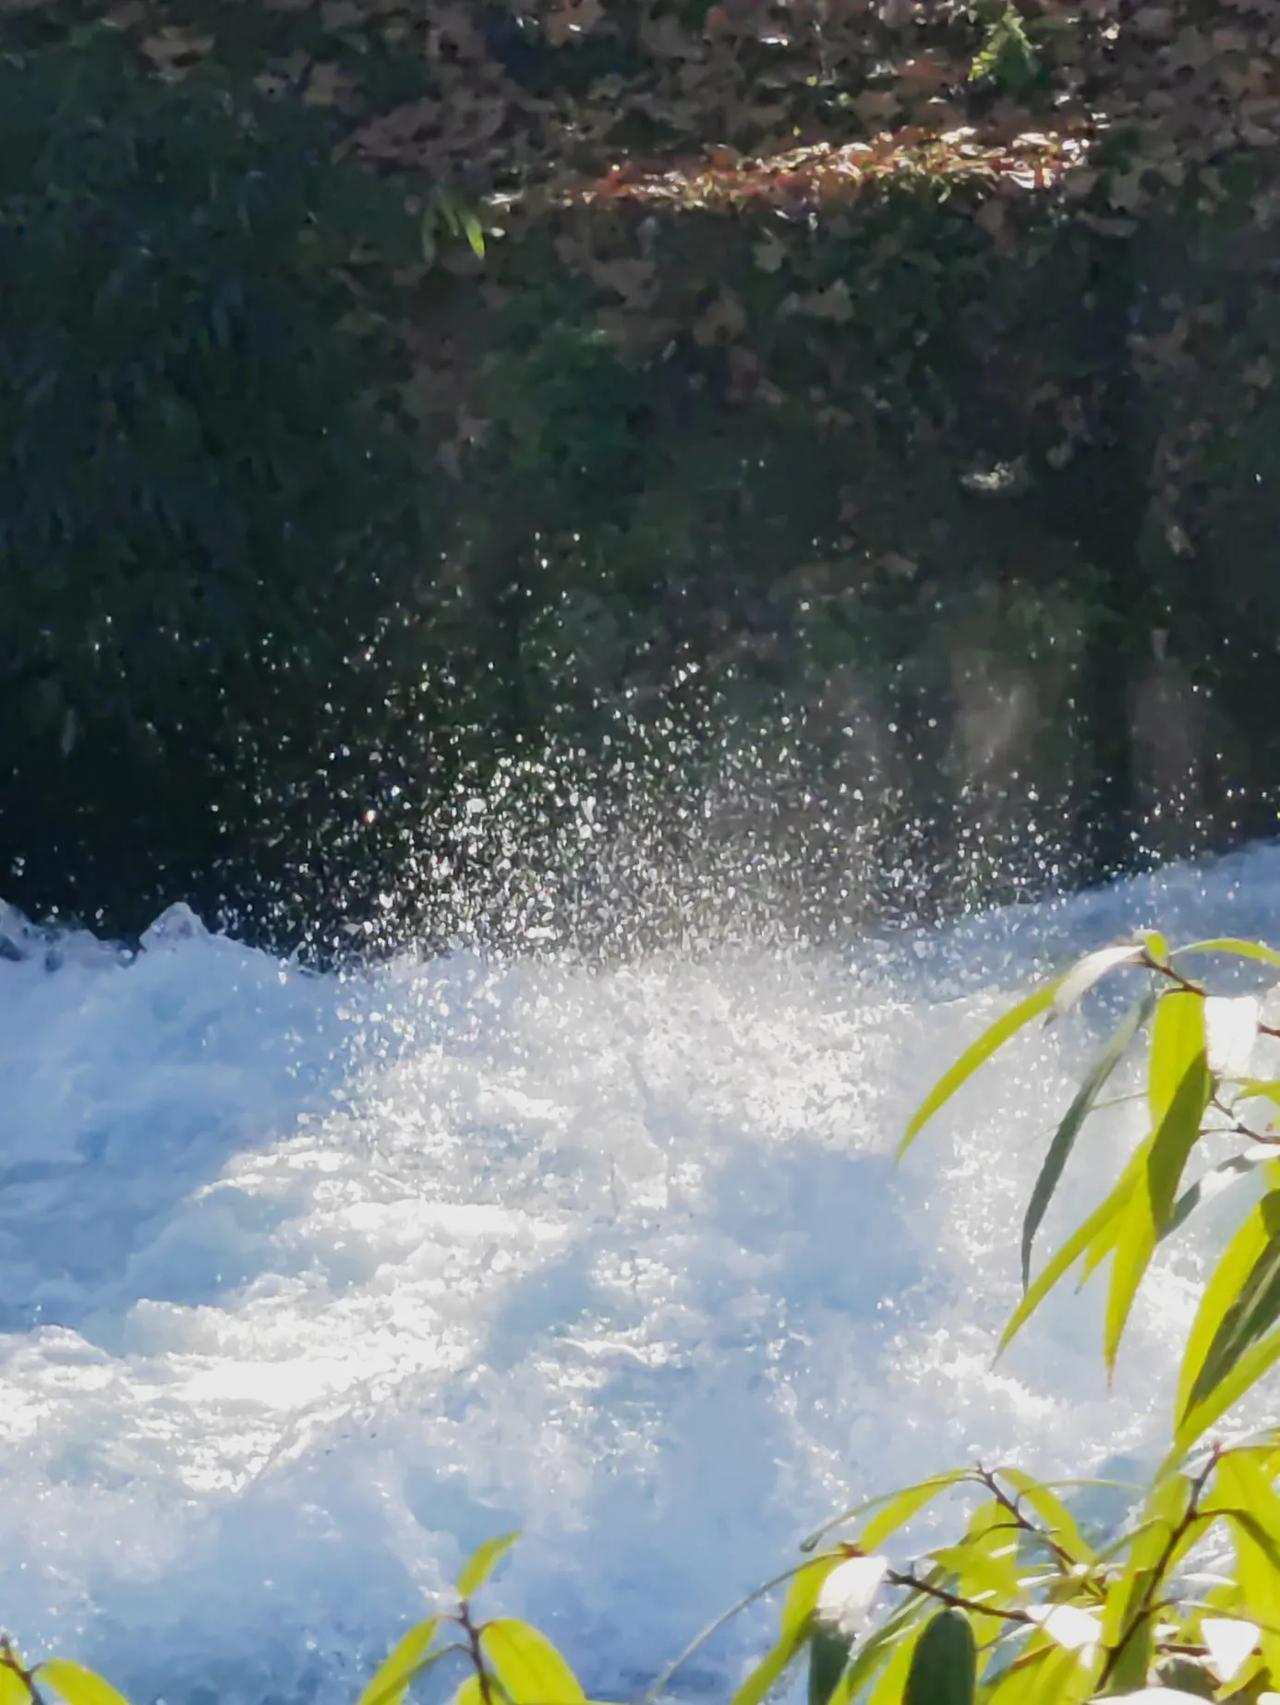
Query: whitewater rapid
x,y
308,1283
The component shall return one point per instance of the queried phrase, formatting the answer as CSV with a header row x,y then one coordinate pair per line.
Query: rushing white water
x,y
308,1283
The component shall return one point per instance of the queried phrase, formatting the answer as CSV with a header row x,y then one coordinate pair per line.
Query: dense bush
x,y
214,525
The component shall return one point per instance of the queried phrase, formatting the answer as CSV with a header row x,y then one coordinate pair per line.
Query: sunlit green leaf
x,y
77,1685
795,1628
1179,1088
391,1679
944,1666
1239,1480
1098,1232
1232,946
481,1564
1073,1120
474,234
530,1667
1092,969
887,1650
1058,1520
893,1678
976,1055
1240,1305
474,1692
13,1689
1246,1373
898,1508
1263,1088
1125,1631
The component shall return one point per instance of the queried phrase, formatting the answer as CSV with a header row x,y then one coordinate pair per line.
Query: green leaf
x,y
1239,1479
1240,1304
1099,1231
475,236
390,1681
794,1631
1073,1120
446,207
13,1689
1229,1390
77,1685
975,1055
472,1692
891,1646
528,1665
481,1564
904,1505
1123,1629
898,1508
1179,1088
1233,945
1263,1088
944,1667
828,1656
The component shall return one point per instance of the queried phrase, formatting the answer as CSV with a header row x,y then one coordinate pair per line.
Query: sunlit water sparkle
x,y
309,1283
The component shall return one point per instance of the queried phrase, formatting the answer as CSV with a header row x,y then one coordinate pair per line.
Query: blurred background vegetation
x,y
828,438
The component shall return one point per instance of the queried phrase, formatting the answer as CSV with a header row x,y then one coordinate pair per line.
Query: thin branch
x,y
9,1659
1146,1604
914,1584
1014,1508
476,1655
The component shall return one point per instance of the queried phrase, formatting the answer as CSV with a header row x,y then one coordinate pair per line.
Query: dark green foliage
x,y
944,1666
212,511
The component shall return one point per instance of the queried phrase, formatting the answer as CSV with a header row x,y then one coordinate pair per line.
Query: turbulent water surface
x,y
309,1283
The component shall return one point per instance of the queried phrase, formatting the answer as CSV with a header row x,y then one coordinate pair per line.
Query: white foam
x,y
308,1284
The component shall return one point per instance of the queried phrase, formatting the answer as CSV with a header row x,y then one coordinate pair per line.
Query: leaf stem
x,y
957,1601
468,1626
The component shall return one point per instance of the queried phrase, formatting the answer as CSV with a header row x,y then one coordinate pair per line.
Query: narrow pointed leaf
x,y
887,1500
1246,1373
976,1055
391,1679
79,1686
794,1631
1233,946
1101,1225
528,1665
1073,1120
481,1564
1060,1523
1241,1303
890,1646
1240,1479
907,1504
1179,1090
13,1689
474,234
1092,969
